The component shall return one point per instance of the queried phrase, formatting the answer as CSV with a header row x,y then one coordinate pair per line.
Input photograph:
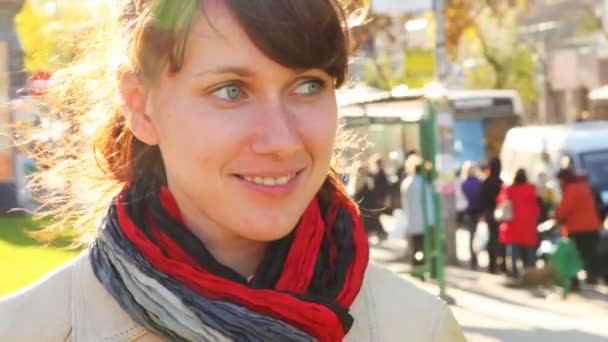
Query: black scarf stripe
x,y
319,279
189,242
270,270
343,314
134,207
345,252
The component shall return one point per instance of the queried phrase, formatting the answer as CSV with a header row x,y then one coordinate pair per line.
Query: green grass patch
x,y
23,259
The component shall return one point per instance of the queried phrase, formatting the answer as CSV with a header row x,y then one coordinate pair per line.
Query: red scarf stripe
x,y
170,204
171,247
320,321
298,271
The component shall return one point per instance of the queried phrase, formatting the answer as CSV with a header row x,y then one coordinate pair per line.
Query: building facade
x,y
12,78
572,54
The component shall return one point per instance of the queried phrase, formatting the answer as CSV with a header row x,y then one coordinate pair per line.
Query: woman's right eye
x,y
229,92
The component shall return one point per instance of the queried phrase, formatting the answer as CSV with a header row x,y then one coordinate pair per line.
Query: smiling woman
x,y
225,219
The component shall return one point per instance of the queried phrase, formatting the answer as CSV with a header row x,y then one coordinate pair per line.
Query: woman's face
x,y
246,142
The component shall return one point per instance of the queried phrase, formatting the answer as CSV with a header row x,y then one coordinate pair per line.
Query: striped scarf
x,y
168,282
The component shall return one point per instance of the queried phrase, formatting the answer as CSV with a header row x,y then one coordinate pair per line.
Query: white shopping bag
x,y
398,226
482,235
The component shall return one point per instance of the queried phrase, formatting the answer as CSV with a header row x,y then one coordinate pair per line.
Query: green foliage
x,y
494,57
37,47
51,31
520,74
416,71
26,258
381,74
419,67
480,35
588,24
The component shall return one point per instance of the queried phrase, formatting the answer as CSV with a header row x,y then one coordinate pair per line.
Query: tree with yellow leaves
x,y
50,31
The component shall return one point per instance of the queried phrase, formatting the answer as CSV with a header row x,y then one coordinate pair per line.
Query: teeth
x,y
269,181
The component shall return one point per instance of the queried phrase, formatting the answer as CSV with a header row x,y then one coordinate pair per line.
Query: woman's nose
x,y
276,132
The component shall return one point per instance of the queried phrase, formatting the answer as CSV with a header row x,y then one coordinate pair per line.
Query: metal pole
x,y
441,71
437,147
438,255
426,131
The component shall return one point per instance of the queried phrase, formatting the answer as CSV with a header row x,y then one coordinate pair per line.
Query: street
x,y
488,310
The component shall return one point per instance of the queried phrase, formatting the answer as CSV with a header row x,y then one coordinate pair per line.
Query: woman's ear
x,y
134,96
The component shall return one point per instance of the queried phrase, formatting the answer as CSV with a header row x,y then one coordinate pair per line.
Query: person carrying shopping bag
x,y
518,231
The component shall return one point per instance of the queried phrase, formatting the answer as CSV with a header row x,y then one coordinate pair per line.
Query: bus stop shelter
x,y
368,106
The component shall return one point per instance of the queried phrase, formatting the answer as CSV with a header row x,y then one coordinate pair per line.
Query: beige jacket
x,y
69,304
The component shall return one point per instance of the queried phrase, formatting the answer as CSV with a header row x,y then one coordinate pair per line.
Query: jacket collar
x,y
96,316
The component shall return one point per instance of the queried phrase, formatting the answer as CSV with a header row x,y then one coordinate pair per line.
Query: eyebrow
x,y
239,71
242,72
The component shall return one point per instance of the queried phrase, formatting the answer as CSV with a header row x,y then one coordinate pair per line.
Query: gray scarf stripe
x,y
162,305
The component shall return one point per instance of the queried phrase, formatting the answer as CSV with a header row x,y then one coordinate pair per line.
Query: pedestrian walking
x,y
416,201
518,233
221,217
460,199
360,189
471,188
577,212
379,197
490,189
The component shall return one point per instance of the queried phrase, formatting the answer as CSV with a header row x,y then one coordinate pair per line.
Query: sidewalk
x,y
488,310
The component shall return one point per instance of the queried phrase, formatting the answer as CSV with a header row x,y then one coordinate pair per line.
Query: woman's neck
x,y
229,249
239,254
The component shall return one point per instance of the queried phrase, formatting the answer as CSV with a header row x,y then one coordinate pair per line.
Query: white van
x,y
583,146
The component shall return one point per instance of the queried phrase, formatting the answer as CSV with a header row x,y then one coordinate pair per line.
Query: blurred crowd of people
x,y
509,213
512,213
405,193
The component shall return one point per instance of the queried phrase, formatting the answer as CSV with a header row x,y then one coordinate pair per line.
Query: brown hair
x,y
521,177
568,176
294,33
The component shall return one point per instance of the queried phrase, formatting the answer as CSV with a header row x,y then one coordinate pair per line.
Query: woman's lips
x,y
277,184
270,181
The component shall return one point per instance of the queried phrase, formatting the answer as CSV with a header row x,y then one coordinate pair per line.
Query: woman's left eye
x,y
310,87
229,92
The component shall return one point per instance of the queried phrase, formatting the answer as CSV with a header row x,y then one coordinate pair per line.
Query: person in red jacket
x,y
519,233
578,213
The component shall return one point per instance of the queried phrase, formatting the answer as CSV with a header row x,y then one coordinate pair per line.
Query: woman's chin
x,y
266,224
267,231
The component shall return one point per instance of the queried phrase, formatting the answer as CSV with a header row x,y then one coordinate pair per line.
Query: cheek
x,y
192,135
318,128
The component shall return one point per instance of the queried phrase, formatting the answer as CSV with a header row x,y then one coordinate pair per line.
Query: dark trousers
x,y
471,218
416,244
586,244
527,255
371,222
495,249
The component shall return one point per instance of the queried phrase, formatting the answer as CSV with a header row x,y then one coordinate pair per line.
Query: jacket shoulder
x,y
400,310
41,311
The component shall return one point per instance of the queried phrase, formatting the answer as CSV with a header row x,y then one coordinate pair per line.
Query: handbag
x,y
504,211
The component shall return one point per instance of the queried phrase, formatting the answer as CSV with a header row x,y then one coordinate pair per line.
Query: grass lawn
x,y
22,258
